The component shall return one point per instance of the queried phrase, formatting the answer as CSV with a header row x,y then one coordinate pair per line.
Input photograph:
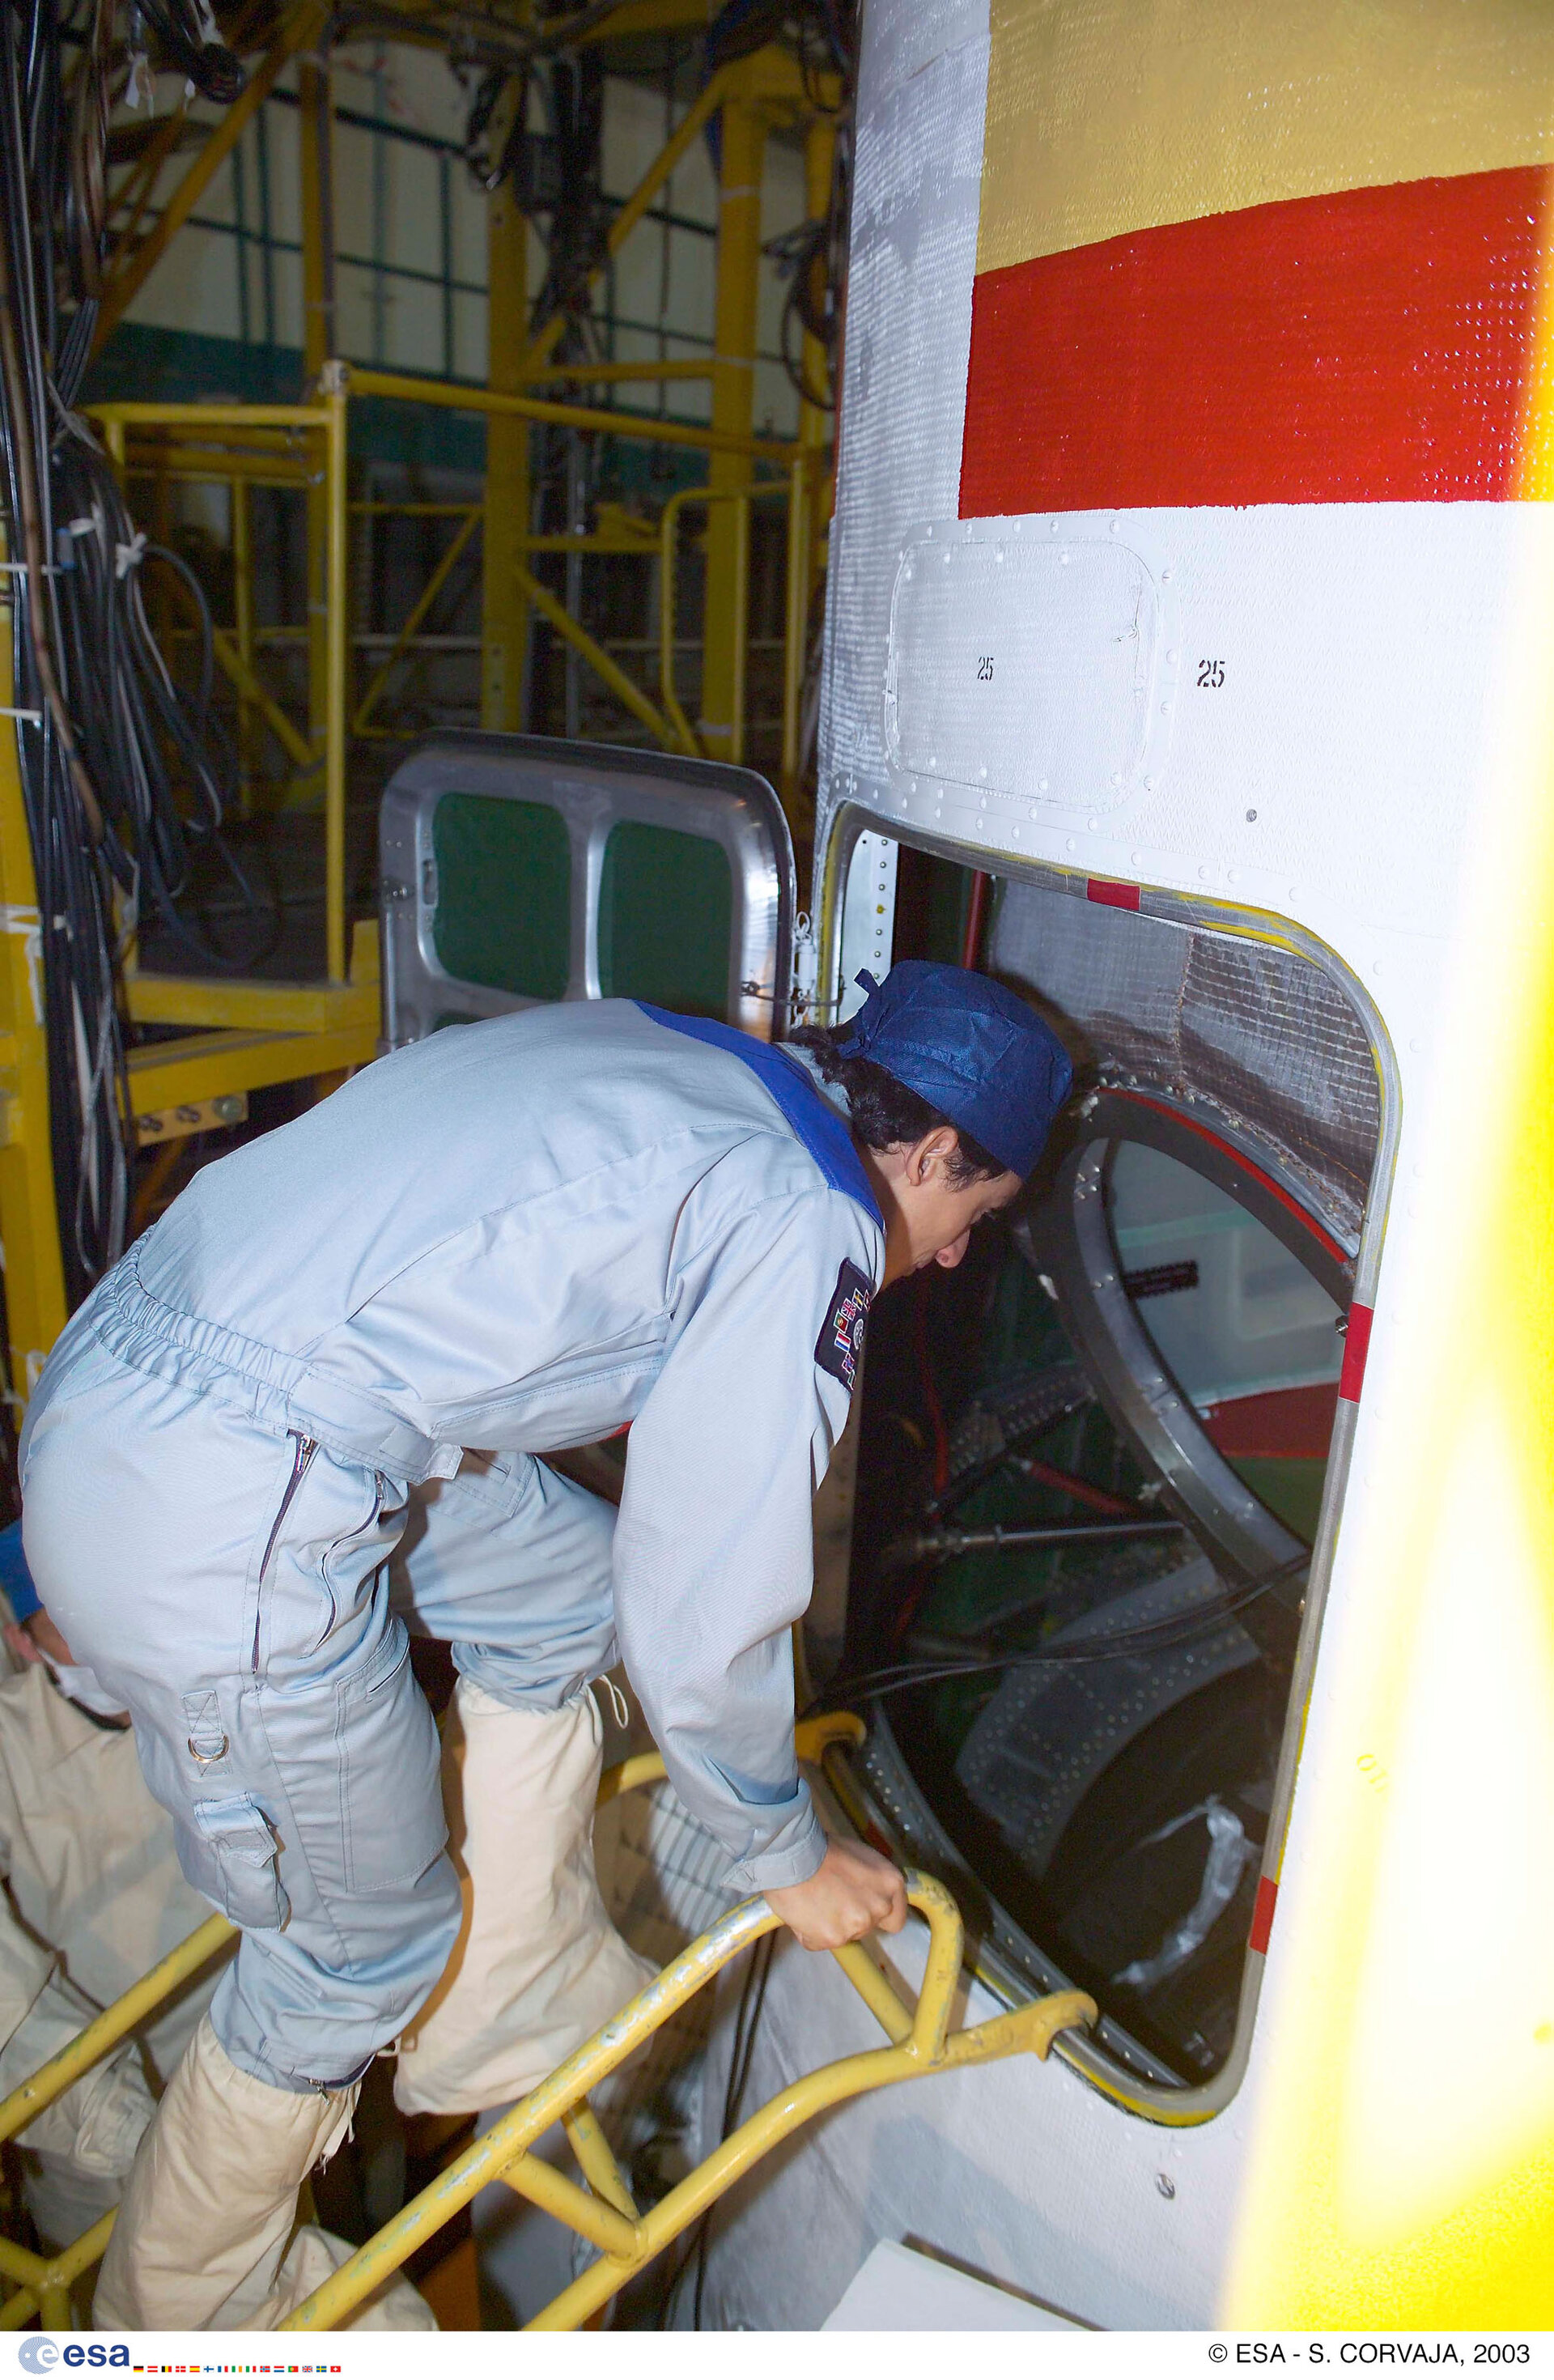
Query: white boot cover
x,y
313,2256
538,1965
212,2197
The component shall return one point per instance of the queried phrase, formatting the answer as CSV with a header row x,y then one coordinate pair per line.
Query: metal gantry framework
x,y
919,2041
235,1036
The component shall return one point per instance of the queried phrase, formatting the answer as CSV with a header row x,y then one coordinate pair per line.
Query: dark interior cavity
x,y
1092,1462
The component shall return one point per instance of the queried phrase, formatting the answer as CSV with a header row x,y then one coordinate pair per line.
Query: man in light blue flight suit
x,y
516,1237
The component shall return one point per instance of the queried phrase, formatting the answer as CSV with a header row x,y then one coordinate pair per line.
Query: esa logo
x,y
43,2355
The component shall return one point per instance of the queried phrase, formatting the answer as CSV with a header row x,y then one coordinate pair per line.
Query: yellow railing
x,y
799,489
44,2281
918,2040
248,445
325,423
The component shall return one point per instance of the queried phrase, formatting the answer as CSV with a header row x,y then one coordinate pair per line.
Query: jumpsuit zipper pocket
x,y
306,1450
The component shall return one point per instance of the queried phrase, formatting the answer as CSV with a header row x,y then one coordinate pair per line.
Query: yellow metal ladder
x,y
917,2041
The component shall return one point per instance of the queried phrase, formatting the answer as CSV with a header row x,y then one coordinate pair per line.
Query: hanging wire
x,y
1098,1643
122,776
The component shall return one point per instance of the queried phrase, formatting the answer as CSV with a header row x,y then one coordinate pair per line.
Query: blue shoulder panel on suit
x,y
818,1125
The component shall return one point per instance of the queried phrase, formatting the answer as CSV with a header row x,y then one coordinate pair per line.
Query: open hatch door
x,y
520,869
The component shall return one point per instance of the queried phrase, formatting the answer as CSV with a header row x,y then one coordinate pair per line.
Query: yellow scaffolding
x,y
242,1035
918,2040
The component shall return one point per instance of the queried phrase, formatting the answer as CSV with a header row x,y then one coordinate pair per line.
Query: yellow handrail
x,y
414,389
919,2042
106,2031
795,625
260,436
45,2280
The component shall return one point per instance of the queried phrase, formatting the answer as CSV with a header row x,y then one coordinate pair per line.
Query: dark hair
x,y
884,1114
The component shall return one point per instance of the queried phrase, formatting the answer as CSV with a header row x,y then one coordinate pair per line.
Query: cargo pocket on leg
x,y
390,1774
240,1857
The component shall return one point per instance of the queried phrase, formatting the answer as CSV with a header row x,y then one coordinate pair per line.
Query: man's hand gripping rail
x,y
919,2042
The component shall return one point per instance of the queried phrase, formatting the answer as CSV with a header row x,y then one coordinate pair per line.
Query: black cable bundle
x,y
86,1102
1098,1643
573,96
131,719
186,40
119,775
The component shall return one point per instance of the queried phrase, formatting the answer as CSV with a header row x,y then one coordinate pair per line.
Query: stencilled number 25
x,y
1211,673
984,668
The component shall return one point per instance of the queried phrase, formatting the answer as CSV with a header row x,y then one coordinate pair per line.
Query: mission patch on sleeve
x,y
840,1345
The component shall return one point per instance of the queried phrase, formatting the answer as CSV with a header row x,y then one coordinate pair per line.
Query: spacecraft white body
x,y
1191,576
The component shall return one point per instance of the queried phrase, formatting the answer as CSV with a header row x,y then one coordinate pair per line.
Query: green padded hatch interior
x,y
665,920
504,895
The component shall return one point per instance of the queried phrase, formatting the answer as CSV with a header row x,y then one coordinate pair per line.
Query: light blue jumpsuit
x,y
515,1236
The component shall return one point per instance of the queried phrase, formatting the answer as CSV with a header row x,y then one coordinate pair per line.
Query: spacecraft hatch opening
x,y
1091,1467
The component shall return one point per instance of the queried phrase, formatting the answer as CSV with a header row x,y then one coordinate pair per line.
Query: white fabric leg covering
x,y
538,1965
313,2256
212,2197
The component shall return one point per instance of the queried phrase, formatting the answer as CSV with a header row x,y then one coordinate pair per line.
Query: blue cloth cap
x,y
977,1053
16,1579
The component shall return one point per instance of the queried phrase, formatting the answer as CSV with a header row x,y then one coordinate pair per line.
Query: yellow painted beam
x,y
35,1306
222,1002
795,628
228,654
739,500
414,390
236,437
191,468
241,520
815,422
135,191
624,688
203,1065
775,79
624,541
669,523
638,17
203,414
419,610
337,665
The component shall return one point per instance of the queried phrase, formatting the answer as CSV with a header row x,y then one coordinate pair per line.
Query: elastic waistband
x,y
276,1393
